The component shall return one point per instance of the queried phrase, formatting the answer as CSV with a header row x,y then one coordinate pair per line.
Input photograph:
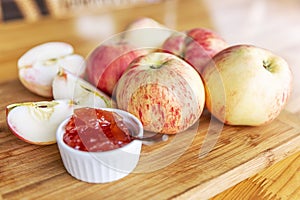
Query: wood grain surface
x,y
243,161
267,185
165,171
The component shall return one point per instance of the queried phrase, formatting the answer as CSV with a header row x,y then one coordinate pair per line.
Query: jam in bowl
x,y
98,145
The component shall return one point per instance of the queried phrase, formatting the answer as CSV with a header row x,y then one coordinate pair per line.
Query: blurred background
x,y
271,24
32,10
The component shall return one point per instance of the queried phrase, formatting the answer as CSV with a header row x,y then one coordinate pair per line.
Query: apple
x,y
144,22
196,46
68,86
163,91
146,33
107,63
39,65
36,122
246,85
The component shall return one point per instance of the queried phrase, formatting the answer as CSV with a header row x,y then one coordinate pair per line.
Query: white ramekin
x,y
102,167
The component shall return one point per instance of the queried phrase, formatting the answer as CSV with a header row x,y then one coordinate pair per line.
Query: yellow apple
x,y
246,85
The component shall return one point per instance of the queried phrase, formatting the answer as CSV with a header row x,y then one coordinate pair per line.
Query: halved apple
x,y
38,66
36,122
67,86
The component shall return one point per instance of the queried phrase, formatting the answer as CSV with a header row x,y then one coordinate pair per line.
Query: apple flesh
x,y
107,63
68,86
163,91
146,33
36,122
39,65
196,46
247,85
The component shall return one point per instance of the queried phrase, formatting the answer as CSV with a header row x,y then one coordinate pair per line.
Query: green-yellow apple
x,y
247,85
163,91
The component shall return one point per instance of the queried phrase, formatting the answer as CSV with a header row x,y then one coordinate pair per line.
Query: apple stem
x,y
154,67
267,65
158,66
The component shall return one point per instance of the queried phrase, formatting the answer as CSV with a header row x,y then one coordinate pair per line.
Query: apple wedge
x,y
36,122
39,65
67,86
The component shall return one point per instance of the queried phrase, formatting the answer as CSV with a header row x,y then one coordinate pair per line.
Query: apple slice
x,y
38,66
36,122
67,86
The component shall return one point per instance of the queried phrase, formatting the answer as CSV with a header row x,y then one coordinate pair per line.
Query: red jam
x,y
96,130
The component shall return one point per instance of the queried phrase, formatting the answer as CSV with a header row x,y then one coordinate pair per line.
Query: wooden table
x,y
31,172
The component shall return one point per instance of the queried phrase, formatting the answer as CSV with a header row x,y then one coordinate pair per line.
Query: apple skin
x,y
164,92
107,63
247,85
196,46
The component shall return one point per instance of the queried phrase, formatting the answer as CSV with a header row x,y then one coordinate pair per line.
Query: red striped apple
x,y
39,65
163,91
36,122
196,46
107,63
247,85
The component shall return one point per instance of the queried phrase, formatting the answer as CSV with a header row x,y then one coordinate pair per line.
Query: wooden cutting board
x,y
172,170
